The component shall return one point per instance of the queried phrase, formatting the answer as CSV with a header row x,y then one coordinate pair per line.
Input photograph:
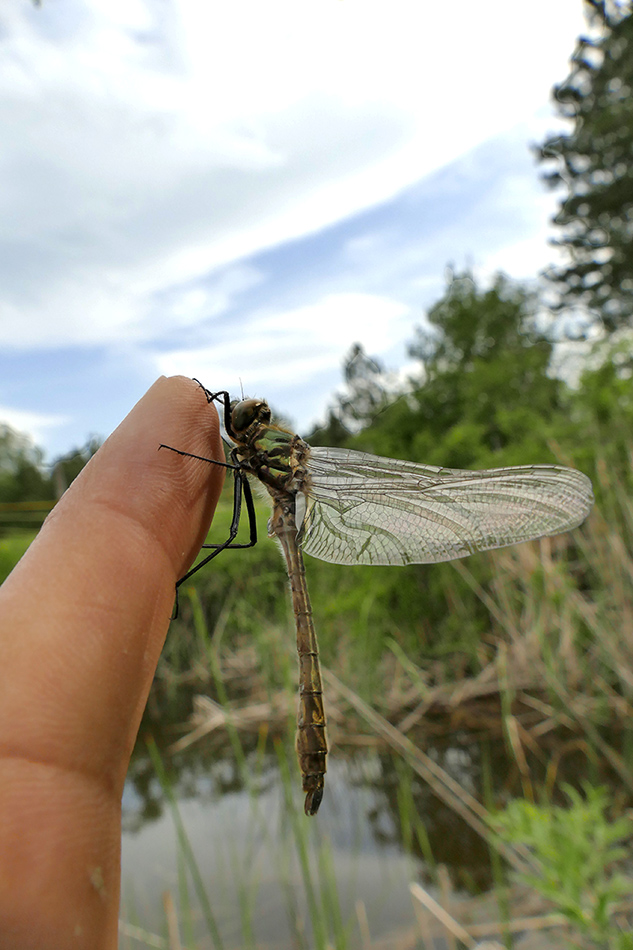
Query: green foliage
x,y
470,324
24,478
597,422
358,404
21,474
578,849
244,589
594,164
365,395
483,398
67,467
11,550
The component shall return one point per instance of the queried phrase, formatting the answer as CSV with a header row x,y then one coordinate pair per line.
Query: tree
x,y
21,474
594,163
67,467
358,404
484,396
599,421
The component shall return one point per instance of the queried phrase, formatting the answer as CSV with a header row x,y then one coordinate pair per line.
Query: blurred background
x,y
408,225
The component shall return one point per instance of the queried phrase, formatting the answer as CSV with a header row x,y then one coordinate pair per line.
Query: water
x,y
269,873
247,852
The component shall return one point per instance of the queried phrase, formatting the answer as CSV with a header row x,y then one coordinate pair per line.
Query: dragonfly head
x,y
248,411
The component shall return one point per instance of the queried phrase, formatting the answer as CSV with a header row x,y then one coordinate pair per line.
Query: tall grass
x,y
539,637
554,615
279,844
534,643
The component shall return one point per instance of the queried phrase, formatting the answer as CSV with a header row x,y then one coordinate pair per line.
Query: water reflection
x,y
247,849
379,828
247,845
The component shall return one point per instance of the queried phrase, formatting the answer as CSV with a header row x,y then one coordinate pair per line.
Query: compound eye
x,y
248,411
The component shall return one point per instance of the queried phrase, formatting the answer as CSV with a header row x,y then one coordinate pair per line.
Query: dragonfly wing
x,y
363,509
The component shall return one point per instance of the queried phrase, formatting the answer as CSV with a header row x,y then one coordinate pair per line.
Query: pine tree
x,y
594,163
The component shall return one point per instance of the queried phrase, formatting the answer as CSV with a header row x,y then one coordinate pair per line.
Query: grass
x,y
531,643
557,622
304,871
188,866
12,546
535,645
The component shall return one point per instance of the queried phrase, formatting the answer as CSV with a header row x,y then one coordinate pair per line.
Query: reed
x,y
531,643
187,864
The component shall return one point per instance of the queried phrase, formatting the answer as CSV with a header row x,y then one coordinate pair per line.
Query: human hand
x,y
83,618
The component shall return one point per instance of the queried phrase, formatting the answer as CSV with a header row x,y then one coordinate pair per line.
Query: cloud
x,y
139,153
242,190
35,424
289,350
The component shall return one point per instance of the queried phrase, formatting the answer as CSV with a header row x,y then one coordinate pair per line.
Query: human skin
x,y
83,618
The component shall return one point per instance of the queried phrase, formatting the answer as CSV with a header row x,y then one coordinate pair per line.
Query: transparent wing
x,y
362,509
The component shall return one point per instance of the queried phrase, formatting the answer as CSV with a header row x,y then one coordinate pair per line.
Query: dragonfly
x,y
350,507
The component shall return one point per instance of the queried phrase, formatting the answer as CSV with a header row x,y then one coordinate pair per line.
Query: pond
x,y
223,834
259,868
270,874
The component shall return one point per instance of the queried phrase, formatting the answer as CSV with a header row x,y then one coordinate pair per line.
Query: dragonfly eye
x,y
248,411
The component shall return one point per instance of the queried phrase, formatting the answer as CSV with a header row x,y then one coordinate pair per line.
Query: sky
x,y
239,191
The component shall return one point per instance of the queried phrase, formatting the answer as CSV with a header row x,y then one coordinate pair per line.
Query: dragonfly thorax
x,y
249,411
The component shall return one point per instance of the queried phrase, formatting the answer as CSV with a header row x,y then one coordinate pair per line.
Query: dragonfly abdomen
x,y
311,741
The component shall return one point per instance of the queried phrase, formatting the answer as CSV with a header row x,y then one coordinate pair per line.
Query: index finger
x,y
83,619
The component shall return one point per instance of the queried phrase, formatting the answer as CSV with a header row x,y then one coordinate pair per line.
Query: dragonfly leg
x,y
201,458
223,397
241,488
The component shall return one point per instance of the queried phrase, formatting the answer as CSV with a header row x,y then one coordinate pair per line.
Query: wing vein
x,y
364,509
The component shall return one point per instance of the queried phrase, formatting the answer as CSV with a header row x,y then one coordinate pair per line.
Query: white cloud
x,y
138,154
522,260
35,424
290,349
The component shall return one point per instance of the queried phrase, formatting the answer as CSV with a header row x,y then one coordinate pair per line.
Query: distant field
x,y
12,547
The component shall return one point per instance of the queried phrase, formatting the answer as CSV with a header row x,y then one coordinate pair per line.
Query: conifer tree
x,y
594,163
